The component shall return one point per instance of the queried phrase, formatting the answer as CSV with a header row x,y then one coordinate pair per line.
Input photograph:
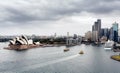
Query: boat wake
x,y
45,64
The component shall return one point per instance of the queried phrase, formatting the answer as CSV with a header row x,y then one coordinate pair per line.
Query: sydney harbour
x,y
59,36
55,60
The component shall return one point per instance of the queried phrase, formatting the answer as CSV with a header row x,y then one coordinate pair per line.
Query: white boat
x,y
109,45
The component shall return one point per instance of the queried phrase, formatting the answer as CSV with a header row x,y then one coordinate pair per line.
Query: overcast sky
x,y
46,17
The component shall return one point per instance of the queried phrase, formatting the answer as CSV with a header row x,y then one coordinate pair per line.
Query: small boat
x,y
48,45
81,52
66,49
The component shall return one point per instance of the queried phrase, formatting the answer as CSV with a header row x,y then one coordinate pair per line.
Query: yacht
x,y
109,45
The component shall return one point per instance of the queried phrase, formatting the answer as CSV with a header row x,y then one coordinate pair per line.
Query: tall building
x,y
105,32
115,32
115,26
111,33
93,28
118,32
119,35
95,36
99,24
97,28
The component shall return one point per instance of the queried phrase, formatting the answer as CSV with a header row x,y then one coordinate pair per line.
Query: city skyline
x,y
46,17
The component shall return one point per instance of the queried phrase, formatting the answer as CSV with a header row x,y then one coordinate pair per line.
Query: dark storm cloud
x,y
19,16
44,10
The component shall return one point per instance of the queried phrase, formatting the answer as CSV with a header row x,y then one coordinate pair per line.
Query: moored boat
x,y
66,49
109,45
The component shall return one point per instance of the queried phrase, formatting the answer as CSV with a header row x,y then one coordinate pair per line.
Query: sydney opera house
x,y
22,40
22,43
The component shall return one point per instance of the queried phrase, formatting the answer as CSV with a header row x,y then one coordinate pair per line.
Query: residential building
x,y
88,35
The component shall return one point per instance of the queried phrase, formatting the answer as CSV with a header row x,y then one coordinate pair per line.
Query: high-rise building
x,y
95,36
93,28
115,32
111,33
105,32
99,24
115,26
97,28
118,32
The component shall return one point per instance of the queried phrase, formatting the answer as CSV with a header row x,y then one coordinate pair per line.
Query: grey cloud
x,y
45,10
19,16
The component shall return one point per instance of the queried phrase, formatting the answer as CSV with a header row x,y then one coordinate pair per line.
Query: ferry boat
x,y
109,45
66,49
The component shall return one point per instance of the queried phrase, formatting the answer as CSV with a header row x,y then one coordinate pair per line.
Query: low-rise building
x,y
88,35
73,41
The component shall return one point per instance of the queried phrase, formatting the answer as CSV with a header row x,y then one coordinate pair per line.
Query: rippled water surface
x,y
54,60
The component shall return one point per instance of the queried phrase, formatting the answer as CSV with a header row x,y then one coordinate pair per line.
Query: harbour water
x,y
54,60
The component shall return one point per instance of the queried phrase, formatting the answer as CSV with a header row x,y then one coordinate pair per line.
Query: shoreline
x,y
31,46
116,50
21,47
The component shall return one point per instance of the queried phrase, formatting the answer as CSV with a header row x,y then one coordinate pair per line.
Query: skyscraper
x,y
95,36
111,33
105,32
99,24
93,28
97,27
115,32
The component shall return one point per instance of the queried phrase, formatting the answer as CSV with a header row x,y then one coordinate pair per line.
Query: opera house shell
x,y
21,43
